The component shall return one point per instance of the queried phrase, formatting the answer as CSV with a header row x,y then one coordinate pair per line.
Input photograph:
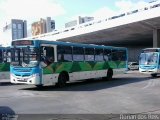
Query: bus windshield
x,y
24,57
150,58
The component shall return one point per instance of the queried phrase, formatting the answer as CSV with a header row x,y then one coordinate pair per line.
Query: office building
x,y
78,21
15,29
43,26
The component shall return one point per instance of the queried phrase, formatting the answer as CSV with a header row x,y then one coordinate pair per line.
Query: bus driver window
x,y
47,55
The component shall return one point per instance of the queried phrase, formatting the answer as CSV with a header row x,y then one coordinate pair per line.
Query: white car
x,y
133,66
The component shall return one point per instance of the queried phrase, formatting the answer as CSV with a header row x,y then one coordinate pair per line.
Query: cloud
x,y
126,5
30,9
122,5
103,12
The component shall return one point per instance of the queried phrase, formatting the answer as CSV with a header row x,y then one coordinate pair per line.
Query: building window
x,y
52,25
14,34
19,26
14,26
20,34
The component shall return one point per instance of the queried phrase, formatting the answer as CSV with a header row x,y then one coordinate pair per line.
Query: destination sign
x,y
22,42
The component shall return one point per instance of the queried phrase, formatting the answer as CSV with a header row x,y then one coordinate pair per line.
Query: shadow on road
x,y
91,85
6,113
6,84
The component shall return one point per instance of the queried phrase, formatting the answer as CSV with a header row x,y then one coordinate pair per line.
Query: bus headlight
x,y
35,75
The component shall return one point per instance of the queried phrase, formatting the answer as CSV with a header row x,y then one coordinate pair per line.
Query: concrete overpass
x,y
135,29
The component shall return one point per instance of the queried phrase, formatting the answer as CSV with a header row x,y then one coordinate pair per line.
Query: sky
x,y
63,11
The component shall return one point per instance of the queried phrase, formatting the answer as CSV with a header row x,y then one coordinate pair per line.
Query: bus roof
x,y
72,44
151,50
1,47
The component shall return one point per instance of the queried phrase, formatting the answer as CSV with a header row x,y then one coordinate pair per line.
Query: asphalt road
x,y
128,93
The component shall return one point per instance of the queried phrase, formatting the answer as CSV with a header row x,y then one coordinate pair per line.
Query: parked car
x,y
133,66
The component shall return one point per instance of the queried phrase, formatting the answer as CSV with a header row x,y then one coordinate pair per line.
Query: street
x,y
127,93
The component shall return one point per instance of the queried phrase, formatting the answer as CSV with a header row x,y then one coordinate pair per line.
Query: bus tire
x,y
39,86
109,74
154,75
62,79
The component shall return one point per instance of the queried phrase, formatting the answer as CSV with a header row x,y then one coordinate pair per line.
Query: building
x,y
43,26
16,29
78,21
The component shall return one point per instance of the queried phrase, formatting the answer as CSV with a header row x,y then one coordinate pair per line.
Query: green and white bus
x,y
4,62
42,62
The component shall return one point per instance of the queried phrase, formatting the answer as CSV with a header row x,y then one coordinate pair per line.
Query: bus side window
x,y
1,56
114,55
107,55
64,53
78,54
119,55
89,54
8,56
123,53
98,54
42,53
4,56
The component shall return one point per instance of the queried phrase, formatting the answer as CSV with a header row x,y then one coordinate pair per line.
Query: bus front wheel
x,y
109,74
62,79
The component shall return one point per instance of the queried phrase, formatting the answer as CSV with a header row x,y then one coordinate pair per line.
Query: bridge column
x,y
156,38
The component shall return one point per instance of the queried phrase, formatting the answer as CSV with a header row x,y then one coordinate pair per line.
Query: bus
x,y
42,62
149,61
4,62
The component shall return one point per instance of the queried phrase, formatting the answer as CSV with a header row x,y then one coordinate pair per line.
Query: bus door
x,y
48,54
47,57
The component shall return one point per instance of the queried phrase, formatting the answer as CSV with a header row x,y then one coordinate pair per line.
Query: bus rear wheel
x,y
62,79
109,74
154,75
39,86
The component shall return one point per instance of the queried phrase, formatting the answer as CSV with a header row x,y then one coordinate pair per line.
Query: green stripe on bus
x,y
82,66
4,67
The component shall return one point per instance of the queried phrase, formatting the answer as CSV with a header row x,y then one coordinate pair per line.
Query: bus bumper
x,y
33,79
148,71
